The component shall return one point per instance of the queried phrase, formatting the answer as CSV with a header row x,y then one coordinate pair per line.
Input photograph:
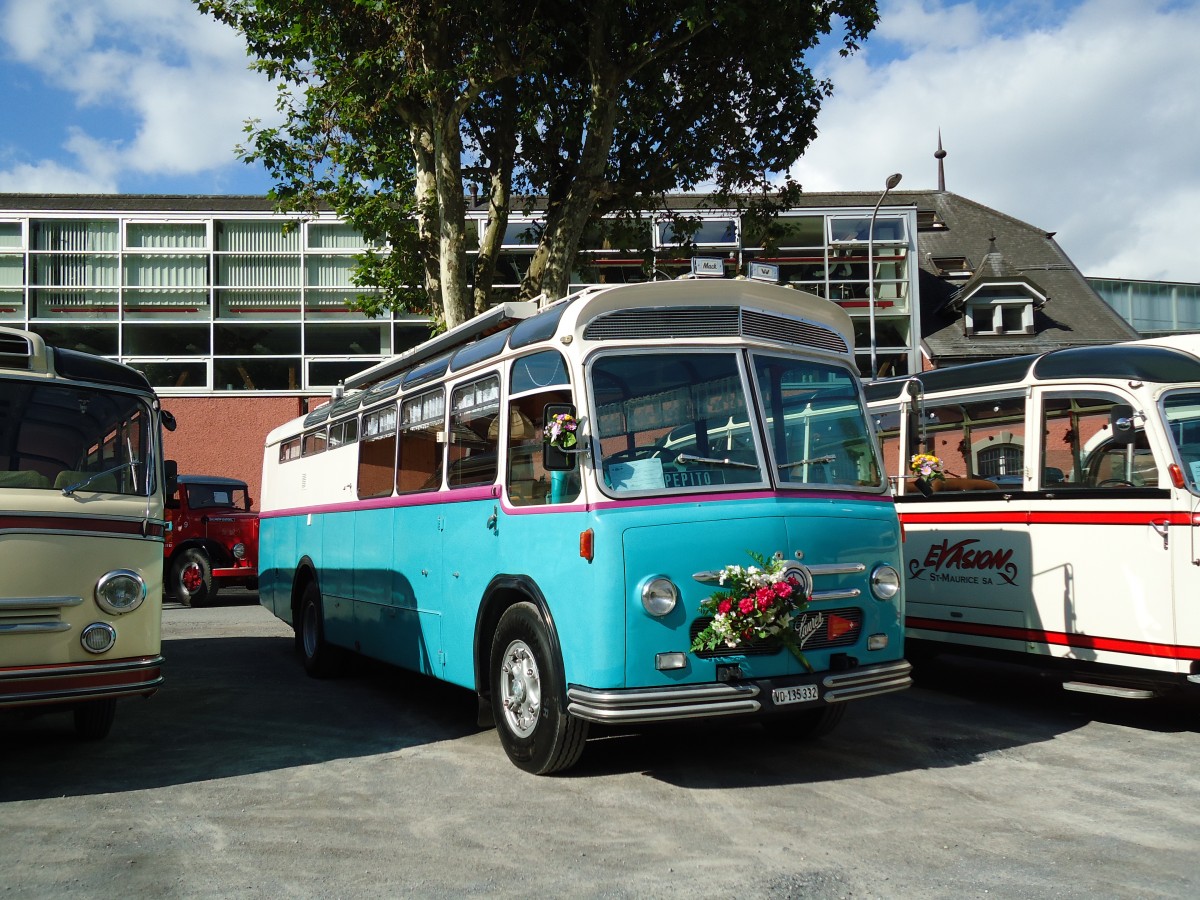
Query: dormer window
x,y
1000,315
952,266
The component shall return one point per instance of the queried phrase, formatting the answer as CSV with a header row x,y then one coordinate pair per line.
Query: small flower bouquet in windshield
x,y
757,603
560,431
927,468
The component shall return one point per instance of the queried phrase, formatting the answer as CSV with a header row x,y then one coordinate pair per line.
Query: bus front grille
x,y
830,628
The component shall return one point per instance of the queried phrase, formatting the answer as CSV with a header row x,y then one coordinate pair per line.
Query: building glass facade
x,y
217,301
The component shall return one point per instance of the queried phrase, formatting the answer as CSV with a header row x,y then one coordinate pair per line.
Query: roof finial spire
x,y
939,156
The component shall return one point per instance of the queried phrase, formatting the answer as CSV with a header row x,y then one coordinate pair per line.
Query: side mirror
x,y
1124,427
168,420
554,457
170,477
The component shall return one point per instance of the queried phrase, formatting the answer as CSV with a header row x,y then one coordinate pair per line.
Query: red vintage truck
x,y
212,541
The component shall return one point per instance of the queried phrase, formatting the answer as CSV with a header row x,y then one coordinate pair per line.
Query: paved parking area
x,y
244,778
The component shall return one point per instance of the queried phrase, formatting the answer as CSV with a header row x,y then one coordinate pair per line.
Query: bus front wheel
x,y
537,732
94,719
806,725
321,659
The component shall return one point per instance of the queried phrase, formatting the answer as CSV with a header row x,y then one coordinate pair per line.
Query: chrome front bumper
x,y
692,701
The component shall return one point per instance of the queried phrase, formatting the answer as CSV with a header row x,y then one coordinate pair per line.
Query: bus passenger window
x,y
527,482
419,467
377,454
1079,448
473,440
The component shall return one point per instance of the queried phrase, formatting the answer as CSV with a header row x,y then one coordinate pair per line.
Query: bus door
x,y
1102,561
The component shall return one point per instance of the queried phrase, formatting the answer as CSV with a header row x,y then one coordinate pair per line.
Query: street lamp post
x,y
891,182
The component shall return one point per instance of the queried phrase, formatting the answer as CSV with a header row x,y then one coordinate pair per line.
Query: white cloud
x,y
179,76
1085,126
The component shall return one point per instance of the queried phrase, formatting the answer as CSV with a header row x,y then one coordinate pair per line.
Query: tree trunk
x,y
426,191
452,222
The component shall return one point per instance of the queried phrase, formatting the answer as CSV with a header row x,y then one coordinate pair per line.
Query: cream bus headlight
x,y
239,551
659,596
98,637
885,582
120,591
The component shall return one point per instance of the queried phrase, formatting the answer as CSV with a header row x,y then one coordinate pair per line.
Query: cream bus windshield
x,y
73,440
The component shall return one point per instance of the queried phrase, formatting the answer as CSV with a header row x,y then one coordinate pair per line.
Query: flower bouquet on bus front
x,y
757,603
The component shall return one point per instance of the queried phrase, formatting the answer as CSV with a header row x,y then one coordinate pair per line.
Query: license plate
x,y
805,693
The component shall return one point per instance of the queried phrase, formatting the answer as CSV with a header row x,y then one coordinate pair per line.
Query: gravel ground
x,y
244,778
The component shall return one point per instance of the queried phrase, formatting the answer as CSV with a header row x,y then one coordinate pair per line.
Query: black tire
x,y
94,719
191,578
807,725
321,659
529,697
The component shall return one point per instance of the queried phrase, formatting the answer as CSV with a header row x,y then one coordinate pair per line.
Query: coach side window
x,y
1080,450
980,443
474,433
535,380
377,453
419,463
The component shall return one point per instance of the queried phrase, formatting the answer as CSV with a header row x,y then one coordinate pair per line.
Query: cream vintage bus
x,y
1056,516
81,532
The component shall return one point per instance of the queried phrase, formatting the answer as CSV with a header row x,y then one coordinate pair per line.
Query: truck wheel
x,y
191,578
536,731
94,719
321,659
806,725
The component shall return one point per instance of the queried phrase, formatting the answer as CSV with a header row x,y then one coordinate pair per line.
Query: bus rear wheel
x,y
321,659
536,731
94,719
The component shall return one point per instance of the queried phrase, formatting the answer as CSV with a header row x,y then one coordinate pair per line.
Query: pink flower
x,y
765,602
746,606
725,606
783,589
764,593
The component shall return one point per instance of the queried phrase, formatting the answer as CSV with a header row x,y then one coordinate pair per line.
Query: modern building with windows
x,y
1154,308
239,316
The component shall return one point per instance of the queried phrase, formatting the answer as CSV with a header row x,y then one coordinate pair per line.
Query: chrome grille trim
x,y
8,603
791,331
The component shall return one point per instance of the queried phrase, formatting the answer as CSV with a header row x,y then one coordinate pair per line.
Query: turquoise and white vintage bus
x,y
424,518
1064,529
81,532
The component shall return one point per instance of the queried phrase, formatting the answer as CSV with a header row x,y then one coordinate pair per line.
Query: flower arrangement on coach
x,y
758,602
927,466
560,431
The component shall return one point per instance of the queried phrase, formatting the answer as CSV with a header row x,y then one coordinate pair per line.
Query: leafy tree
x,y
602,108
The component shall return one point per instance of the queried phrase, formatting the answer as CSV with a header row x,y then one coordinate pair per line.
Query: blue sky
x,y
1079,116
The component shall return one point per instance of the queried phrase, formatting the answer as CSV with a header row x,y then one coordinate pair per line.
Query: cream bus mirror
x,y
1123,425
558,455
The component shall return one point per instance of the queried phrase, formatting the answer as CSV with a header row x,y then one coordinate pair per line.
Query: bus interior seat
x,y
963,484
24,479
103,483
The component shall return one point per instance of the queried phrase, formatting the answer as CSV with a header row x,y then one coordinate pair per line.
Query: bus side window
x,y
527,482
474,441
419,464
377,454
1079,448
981,443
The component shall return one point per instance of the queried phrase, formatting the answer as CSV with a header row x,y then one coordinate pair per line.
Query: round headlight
x,y
239,551
120,591
98,637
659,596
885,582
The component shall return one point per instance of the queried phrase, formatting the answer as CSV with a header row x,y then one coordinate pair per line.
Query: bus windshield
x,y
816,424
681,421
73,439
1181,410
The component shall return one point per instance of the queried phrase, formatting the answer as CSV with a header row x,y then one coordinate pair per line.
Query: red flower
x,y
764,602
783,589
725,606
746,606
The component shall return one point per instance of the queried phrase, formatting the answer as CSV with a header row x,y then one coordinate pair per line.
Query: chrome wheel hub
x,y
520,689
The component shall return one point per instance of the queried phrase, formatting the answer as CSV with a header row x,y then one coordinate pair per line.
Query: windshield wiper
x,y
708,460
72,488
816,460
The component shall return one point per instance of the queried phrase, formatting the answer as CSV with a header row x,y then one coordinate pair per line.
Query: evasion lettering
x,y
964,557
